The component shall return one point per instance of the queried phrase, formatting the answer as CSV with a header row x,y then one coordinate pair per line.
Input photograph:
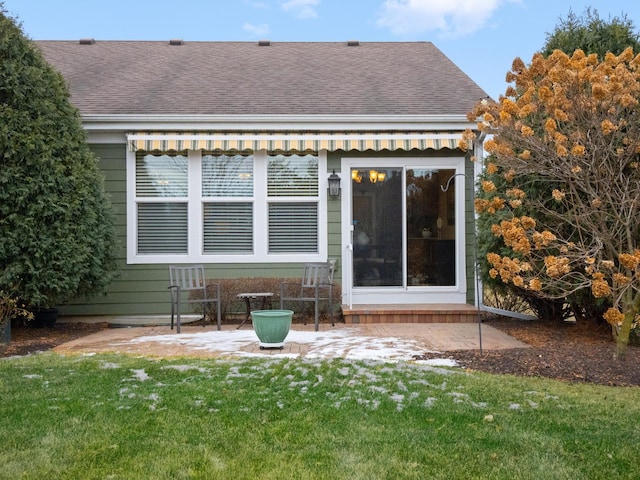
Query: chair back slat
x,y
316,274
188,278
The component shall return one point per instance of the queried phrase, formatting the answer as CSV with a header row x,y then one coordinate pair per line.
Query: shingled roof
x,y
243,78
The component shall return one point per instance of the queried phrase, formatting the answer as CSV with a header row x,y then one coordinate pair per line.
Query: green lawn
x,y
119,417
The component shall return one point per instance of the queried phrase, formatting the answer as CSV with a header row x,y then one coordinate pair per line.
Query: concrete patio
x,y
393,341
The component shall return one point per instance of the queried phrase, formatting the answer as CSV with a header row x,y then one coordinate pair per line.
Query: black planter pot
x,y
5,332
44,317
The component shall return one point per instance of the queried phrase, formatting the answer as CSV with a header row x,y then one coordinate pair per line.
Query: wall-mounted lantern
x,y
334,185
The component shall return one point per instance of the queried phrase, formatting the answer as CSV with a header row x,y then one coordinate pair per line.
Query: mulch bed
x,y
25,340
575,352
559,350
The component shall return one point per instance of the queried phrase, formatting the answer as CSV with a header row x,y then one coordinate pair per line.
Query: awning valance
x,y
294,142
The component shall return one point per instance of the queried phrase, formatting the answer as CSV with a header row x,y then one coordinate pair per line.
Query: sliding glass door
x,y
403,227
430,227
376,198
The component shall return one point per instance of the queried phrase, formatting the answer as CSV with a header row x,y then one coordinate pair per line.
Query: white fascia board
x,y
106,137
128,123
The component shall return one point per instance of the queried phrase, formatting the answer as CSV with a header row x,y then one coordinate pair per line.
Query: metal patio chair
x,y
315,286
190,279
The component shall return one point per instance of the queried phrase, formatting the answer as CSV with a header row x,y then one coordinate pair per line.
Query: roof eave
x,y
105,123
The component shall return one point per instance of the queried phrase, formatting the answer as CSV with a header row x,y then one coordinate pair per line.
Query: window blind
x,y
228,227
293,227
162,228
161,176
227,176
292,176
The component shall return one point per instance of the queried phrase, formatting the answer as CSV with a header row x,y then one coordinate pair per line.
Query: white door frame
x,y
404,294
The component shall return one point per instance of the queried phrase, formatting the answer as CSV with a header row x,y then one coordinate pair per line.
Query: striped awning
x,y
294,142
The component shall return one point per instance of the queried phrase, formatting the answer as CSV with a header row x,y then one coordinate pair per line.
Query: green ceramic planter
x,y
271,326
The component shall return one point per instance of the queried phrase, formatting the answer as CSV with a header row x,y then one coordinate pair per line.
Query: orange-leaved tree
x,y
572,121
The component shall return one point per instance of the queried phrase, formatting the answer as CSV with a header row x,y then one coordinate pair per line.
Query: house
x,y
220,153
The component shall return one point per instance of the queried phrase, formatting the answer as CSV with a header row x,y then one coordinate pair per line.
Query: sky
x,y
482,37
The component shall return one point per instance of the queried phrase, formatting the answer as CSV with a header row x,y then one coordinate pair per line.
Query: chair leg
x,y
219,307
173,306
332,315
178,310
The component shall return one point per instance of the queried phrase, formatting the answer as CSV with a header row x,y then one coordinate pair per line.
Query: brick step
x,y
420,313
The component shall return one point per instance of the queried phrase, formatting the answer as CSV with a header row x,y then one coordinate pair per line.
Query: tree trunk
x,y
622,335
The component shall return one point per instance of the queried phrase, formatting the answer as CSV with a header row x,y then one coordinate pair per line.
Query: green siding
x,y
334,219
142,289
470,228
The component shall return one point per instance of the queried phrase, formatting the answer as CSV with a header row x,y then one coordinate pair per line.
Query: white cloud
x,y
452,18
261,29
301,8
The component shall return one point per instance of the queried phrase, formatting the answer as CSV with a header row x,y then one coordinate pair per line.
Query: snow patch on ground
x,y
344,343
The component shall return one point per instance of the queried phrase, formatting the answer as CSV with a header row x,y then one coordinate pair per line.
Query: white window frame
x,y
195,225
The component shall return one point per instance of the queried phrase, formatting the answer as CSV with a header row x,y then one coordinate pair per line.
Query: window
x,y
292,190
227,190
161,189
225,207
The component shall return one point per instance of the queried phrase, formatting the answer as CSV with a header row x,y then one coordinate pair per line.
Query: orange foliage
x,y
570,119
